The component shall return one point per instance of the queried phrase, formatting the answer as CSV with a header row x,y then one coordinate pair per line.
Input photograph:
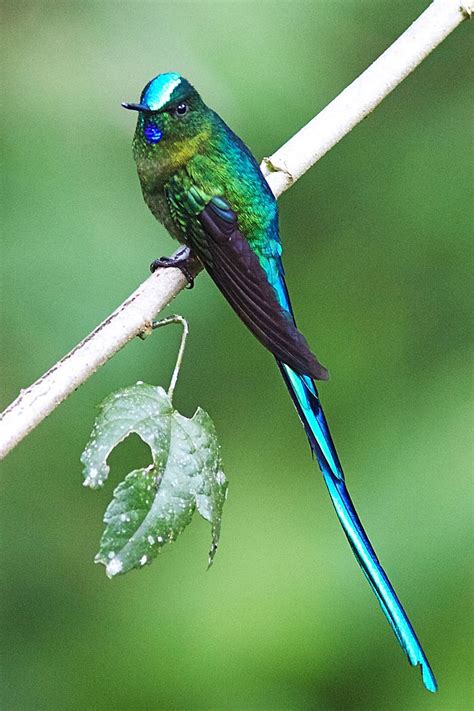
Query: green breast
x,y
217,163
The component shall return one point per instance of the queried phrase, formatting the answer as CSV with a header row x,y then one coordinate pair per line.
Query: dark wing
x,y
213,234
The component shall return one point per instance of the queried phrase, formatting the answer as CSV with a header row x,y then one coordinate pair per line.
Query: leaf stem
x,y
176,318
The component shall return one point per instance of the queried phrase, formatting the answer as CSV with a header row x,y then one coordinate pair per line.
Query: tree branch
x,y
365,93
281,170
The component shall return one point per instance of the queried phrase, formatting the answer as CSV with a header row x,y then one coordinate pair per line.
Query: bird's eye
x,y
181,110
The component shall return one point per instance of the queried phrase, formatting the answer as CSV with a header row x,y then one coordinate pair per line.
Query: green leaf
x,y
153,505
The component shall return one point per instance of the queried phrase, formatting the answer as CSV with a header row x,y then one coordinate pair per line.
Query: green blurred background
x,y
378,262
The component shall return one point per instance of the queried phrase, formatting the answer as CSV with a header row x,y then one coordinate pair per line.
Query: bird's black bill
x,y
135,107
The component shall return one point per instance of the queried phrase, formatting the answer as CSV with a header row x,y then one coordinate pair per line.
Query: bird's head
x,y
170,113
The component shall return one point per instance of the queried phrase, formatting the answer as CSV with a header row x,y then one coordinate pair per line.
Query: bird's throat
x,y
157,163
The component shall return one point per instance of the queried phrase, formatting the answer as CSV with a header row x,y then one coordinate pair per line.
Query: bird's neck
x,y
156,164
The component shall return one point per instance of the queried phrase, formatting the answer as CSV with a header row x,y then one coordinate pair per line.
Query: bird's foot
x,y
180,261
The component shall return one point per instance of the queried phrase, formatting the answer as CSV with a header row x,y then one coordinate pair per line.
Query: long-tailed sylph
x,y
201,181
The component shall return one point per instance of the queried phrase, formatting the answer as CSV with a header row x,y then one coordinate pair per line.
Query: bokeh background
x,y
379,265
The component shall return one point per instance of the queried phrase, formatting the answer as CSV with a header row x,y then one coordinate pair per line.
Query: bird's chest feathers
x,y
156,164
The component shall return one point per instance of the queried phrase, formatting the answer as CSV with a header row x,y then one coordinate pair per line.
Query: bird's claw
x,y
179,263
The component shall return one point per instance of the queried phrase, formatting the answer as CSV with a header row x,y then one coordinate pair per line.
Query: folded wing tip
x,y
321,373
304,364
311,367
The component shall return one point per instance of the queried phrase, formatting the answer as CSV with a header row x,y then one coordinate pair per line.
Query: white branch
x,y
281,171
361,97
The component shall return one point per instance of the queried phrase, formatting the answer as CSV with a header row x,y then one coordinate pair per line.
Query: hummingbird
x,y
203,184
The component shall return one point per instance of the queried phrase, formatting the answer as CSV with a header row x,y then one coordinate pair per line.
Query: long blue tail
x,y
306,399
